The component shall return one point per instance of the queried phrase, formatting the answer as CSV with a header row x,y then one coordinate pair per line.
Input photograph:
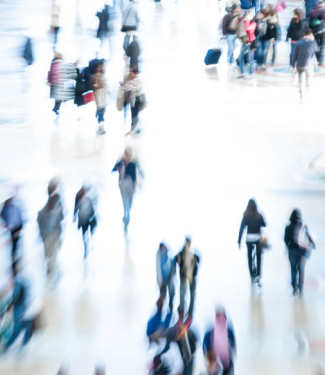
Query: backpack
x,y
242,33
301,237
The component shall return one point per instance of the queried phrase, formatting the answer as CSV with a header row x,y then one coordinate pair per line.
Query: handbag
x,y
120,99
88,97
281,5
264,242
233,24
126,28
142,102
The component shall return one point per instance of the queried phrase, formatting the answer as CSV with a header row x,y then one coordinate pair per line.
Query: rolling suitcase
x,y
213,55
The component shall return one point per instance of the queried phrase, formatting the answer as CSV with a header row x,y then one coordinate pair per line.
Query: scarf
x,y
220,341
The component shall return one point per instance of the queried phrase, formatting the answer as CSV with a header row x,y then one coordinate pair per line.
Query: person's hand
x,y
239,246
223,37
272,41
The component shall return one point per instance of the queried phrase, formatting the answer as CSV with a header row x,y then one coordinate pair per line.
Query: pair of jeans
x,y
320,40
265,45
100,115
170,285
297,264
246,49
15,238
293,47
85,238
19,325
56,32
308,71
135,112
254,269
231,41
57,105
183,287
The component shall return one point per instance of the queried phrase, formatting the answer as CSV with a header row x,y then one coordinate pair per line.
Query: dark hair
x,y
272,11
264,12
295,216
251,209
300,13
134,70
307,31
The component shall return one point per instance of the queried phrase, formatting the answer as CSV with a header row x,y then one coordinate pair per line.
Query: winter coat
x,y
63,87
296,30
103,22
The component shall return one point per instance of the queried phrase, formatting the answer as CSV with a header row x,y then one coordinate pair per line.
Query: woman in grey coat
x,y
62,81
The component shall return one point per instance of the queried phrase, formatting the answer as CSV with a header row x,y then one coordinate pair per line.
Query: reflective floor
x,y
208,143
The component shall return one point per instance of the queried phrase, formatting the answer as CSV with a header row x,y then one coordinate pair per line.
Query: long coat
x,y
64,88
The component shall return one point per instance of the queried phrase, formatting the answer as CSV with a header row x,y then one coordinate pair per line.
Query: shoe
x,y
249,77
295,291
258,282
56,111
241,76
263,67
291,69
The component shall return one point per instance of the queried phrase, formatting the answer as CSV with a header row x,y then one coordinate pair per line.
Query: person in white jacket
x,y
165,274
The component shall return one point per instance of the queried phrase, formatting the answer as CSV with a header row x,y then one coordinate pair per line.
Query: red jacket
x,y
250,29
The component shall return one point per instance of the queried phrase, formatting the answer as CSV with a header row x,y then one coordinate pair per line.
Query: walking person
x,y
165,274
273,33
49,221
219,345
127,182
55,21
296,31
102,32
317,26
133,52
100,88
188,269
61,79
84,209
299,244
304,59
229,30
253,221
130,21
246,32
12,216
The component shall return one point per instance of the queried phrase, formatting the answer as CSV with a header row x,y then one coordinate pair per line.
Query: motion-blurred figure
x,y
165,274
62,81
133,96
100,370
253,221
130,21
86,216
49,221
55,21
100,88
133,51
304,59
219,345
317,26
102,32
127,181
156,325
12,216
188,268
28,52
299,243
185,339
20,304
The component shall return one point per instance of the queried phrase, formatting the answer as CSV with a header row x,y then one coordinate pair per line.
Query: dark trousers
x,y
100,115
135,112
15,238
56,32
293,47
189,369
320,40
85,237
230,370
183,287
19,325
254,268
297,263
57,105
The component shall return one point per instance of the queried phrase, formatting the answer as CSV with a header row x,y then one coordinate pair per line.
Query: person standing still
x,y
229,30
55,21
304,59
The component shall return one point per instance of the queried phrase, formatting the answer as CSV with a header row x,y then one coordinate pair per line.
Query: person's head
x,y
221,316
270,9
262,14
52,187
100,68
58,56
299,14
188,242
127,154
295,216
251,209
308,34
235,9
163,247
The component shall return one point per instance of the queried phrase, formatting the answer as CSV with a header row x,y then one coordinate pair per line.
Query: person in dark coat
x,y
133,52
253,221
296,30
103,16
297,254
28,52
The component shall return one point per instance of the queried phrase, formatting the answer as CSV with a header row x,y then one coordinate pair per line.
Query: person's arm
x,y
241,230
289,31
263,223
310,238
287,238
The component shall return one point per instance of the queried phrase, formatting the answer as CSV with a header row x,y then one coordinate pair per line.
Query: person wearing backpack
x,y
229,29
86,216
299,244
246,33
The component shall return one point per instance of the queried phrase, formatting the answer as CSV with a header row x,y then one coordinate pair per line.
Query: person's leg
x,y
301,270
171,291
188,369
259,54
15,238
293,46
251,61
192,301
242,54
183,286
250,247
259,254
230,48
28,325
135,113
15,332
230,370
294,261
301,73
266,46
85,238
126,41
56,32
57,106
274,52
309,75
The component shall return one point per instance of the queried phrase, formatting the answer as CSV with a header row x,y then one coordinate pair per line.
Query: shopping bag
x,y
88,97
120,99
